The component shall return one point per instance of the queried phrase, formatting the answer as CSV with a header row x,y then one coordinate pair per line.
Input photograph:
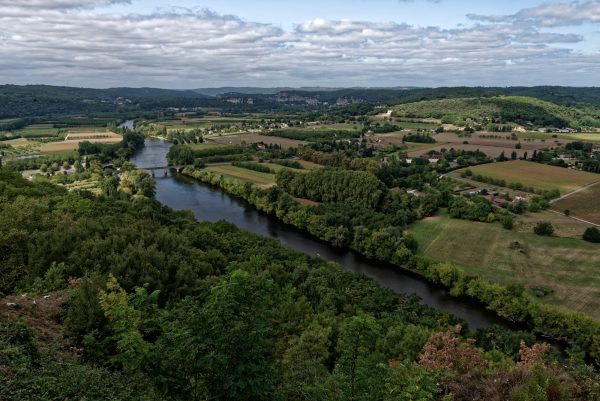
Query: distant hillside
x,y
554,94
153,92
501,109
43,100
250,90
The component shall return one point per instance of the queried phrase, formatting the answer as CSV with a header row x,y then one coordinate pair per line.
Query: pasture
x,y
262,179
536,175
564,226
584,204
567,267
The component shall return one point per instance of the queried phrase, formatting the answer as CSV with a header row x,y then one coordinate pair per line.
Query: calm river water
x,y
211,204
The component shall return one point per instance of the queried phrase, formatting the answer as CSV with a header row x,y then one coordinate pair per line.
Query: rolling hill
x,y
502,109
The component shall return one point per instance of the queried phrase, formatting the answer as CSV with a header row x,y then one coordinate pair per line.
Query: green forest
x,y
160,306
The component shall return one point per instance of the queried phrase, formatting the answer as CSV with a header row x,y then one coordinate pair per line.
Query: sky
x,y
186,44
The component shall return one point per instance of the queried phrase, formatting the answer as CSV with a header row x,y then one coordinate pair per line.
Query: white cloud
x,y
59,4
184,48
551,14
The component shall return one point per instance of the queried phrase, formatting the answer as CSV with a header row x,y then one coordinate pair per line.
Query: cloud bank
x,y
65,42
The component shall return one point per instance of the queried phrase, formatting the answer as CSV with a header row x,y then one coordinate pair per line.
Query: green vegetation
x,y
289,163
36,163
131,142
592,234
503,109
147,303
418,138
329,185
261,168
193,310
544,228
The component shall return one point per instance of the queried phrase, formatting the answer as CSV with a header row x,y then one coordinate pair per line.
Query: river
x,y
211,204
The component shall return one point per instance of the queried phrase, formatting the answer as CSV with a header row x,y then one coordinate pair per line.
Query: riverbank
x,y
513,304
209,203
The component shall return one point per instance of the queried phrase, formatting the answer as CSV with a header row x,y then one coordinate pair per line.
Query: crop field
x,y
56,147
345,127
412,125
567,267
262,179
536,175
501,140
85,185
37,130
589,137
201,122
491,151
383,141
91,135
205,145
88,130
584,204
580,136
256,138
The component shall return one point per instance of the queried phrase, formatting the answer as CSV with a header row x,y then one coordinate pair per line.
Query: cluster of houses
x,y
495,198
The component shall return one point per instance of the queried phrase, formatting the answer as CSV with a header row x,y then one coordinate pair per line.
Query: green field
x,y
205,145
277,167
262,179
583,136
309,165
37,130
568,267
536,175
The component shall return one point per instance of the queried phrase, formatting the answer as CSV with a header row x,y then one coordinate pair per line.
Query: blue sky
x,y
287,13
193,43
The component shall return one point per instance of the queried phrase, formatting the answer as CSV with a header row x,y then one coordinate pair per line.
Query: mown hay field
x,y
537,175
584,204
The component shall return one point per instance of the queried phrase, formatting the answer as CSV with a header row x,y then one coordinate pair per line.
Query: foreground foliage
x,y
168,308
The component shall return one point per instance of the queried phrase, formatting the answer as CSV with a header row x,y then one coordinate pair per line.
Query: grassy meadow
x,y
262,179
567,267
